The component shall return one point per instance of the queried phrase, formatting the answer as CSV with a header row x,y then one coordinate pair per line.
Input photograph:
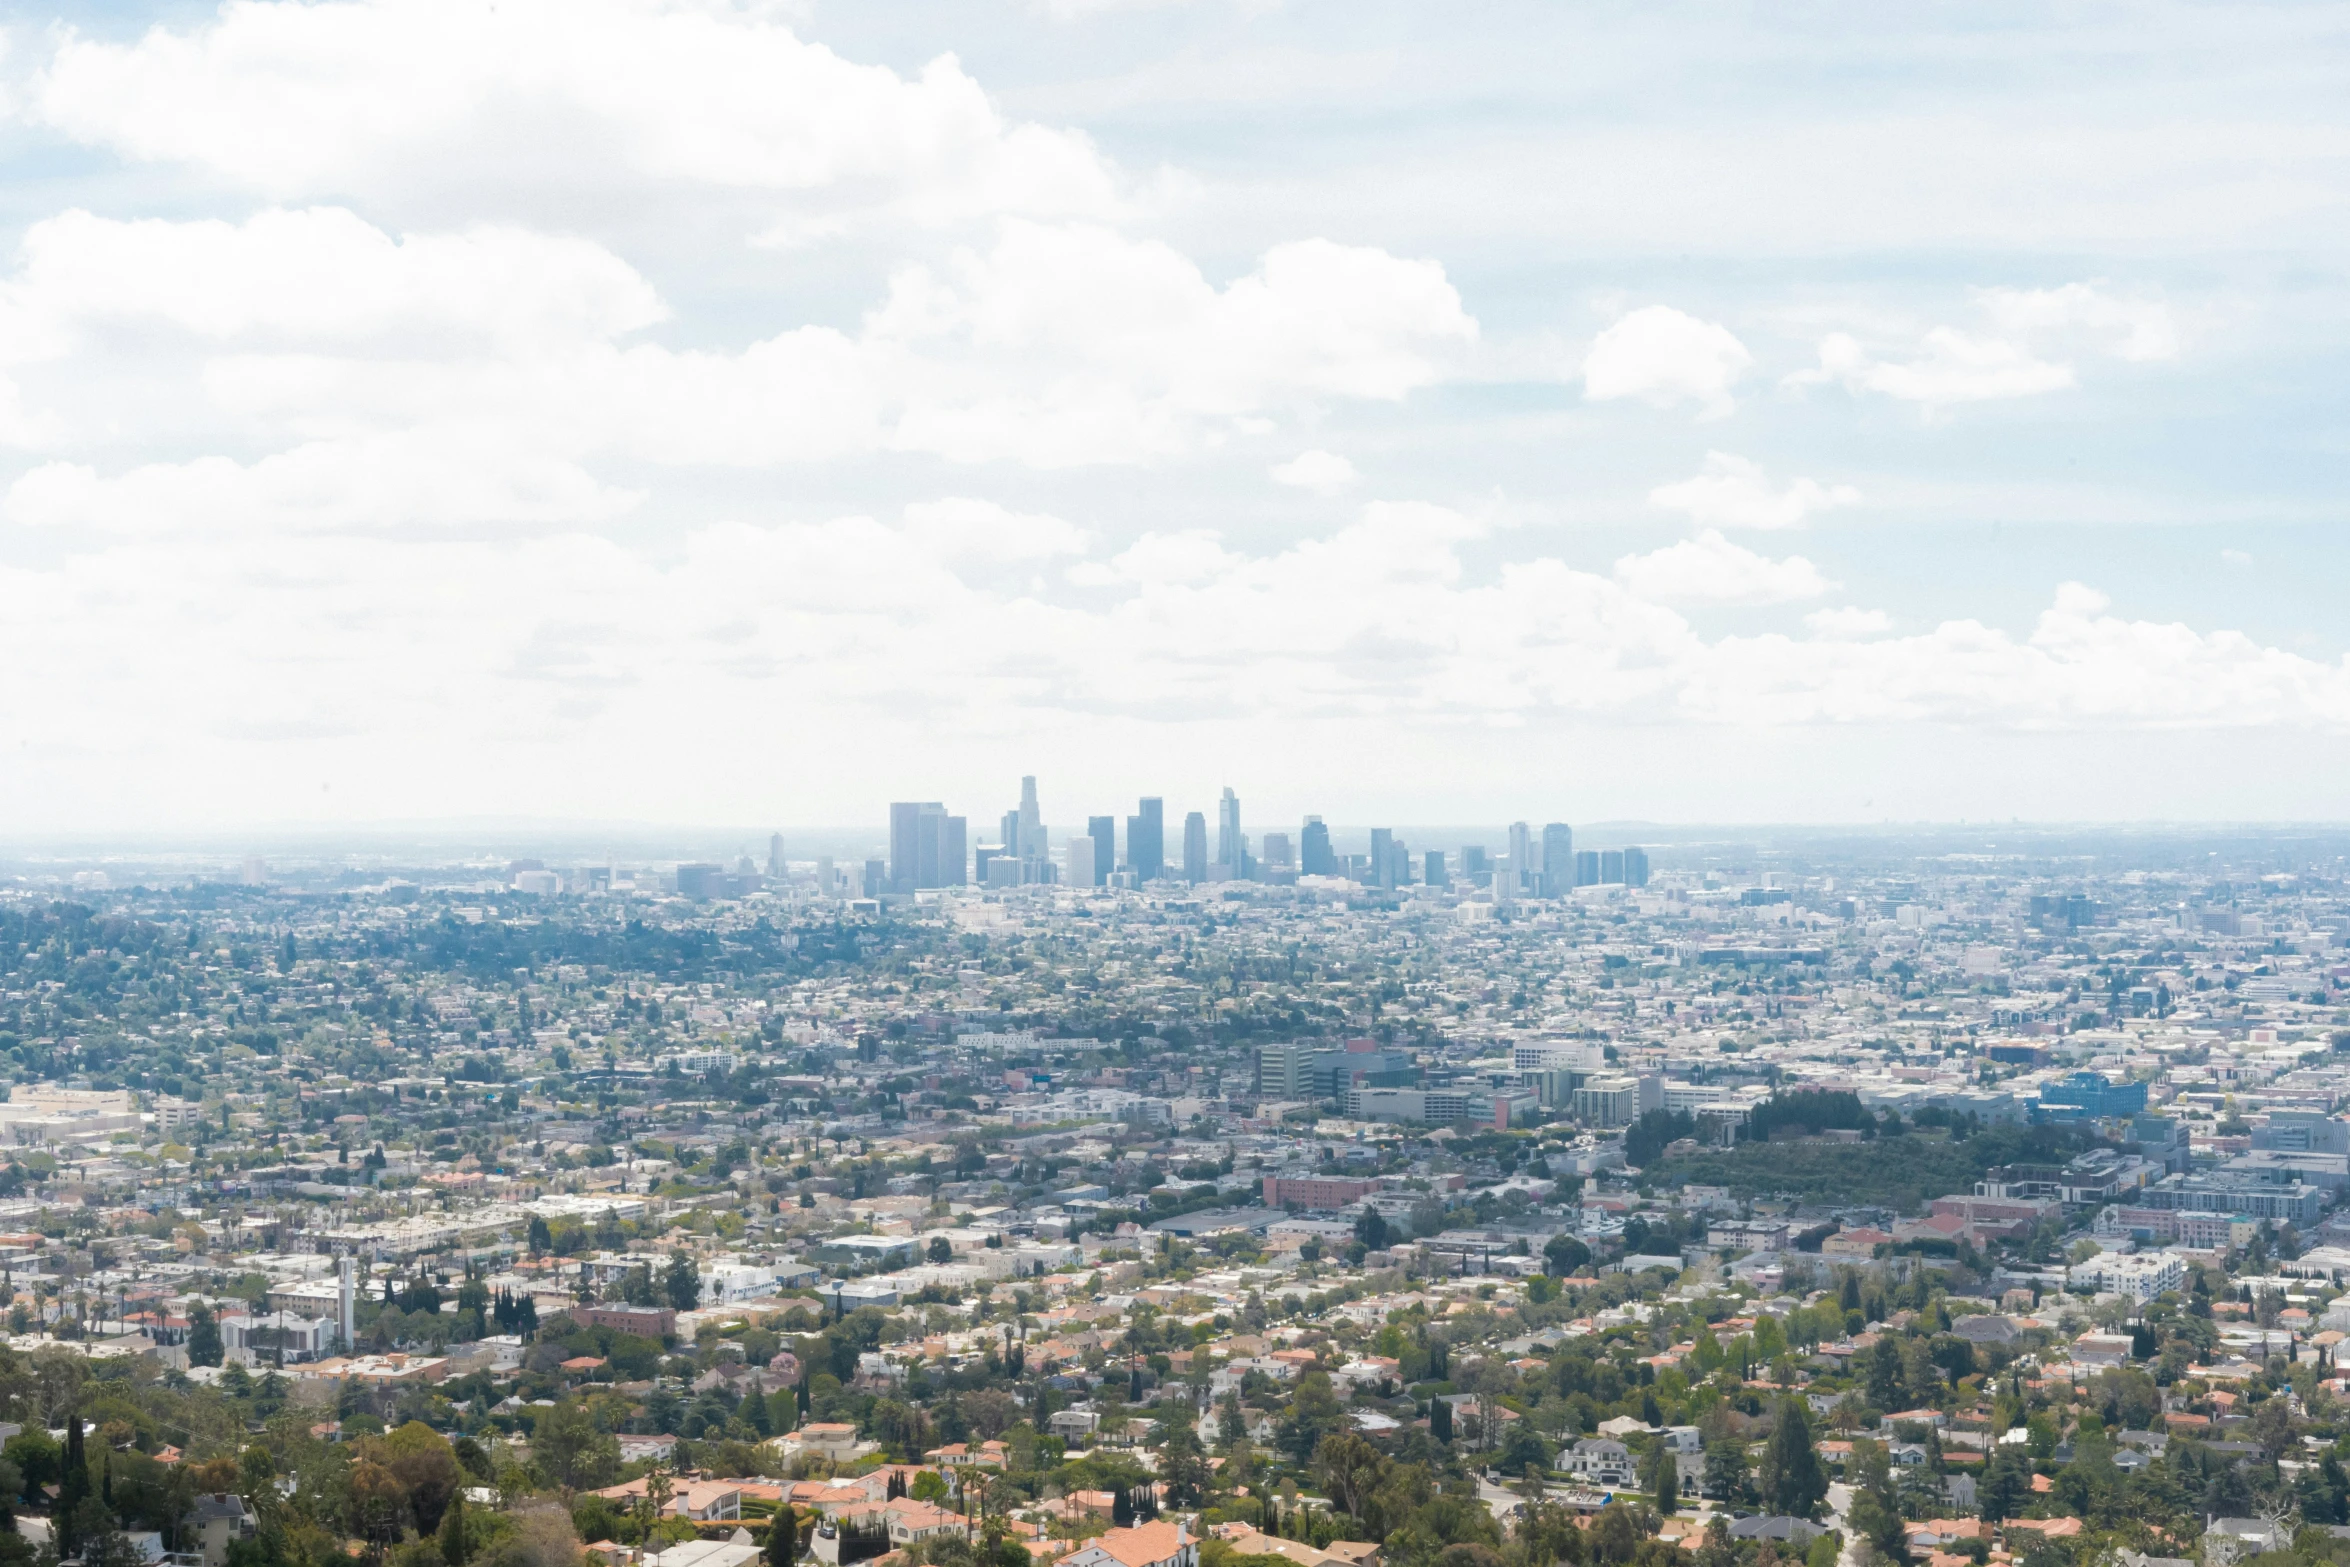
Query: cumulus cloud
x,y
1055,345
2033,337
1731,492
1658,355
473,101
1709,569
1849,622
1325,473
421,657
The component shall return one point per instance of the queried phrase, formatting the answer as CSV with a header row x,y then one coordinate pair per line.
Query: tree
x,y
1885,1390
421,1459
1350,1469
1183,1466
783,1538
682,1283
1440,1419
2005,1486
1314,1411
571,1450
1668,1482
1371,1230
1792,1480
1876,1509
1726,1475
73,1489
541,1239
940,1250
452,1542
1565,1255
204,1348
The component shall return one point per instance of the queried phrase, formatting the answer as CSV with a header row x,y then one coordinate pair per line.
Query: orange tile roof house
x,y
1157,1544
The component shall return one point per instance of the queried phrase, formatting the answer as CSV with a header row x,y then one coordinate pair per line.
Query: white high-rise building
x,y
1080,860
1231,847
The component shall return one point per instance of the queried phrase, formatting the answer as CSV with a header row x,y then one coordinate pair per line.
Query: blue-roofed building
x,y
2089,1096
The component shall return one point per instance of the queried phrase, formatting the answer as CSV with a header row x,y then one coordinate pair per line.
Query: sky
x,y
752,413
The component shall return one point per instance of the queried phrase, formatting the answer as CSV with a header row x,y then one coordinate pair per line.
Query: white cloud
x,y
1849,622
2027,352
964,530
2138,330
1709,569
472,101
424,478
1325,473
1055,345
1732,492
318,276
1660,356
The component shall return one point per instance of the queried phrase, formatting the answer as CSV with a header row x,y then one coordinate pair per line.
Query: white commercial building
x,y
2138,1277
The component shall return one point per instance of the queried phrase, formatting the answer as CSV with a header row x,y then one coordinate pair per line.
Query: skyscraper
x,y
1229,852
1081,860
926,847
1146,840
775,855
1103,830
1586,867
1031,847
1195,847
1524,865
1314,855
1382,857
1558,860
1611,867
1432,869
1635,867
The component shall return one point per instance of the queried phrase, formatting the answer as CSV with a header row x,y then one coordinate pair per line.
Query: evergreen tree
x,y
1121,1508
204,1347
2005,1487
72,1490
783,1539
682,1282
1440,1420
541,1238
453,1547
1668,1483
1885,1390
1792,1480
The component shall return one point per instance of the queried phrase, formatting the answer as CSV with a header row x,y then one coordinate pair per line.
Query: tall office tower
x,y
824,873
1399,864
905,845
1032,845
1195,847
1314,855
1280,855
1505,880
1008,833
1432,869
1231,848
1285,1071
1146,841
954,858
1476,864
876,878
1586,867
775,855
1558,860
1611,867
1382,857
925,846
1081,860
1635,867
1525,864
1103,830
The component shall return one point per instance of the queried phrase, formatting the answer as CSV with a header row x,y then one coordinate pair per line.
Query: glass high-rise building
x,y
1558,859
1103,830
1146,840
1314,855
1195,847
